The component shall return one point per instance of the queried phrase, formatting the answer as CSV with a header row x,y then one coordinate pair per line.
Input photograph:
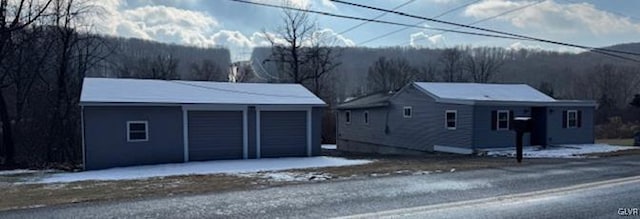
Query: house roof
x,y
483,92
369,101
111,90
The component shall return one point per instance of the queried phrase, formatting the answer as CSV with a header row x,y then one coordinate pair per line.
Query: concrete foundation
x,y
365,147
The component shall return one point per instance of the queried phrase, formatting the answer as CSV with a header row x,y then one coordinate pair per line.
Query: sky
x,y
241,27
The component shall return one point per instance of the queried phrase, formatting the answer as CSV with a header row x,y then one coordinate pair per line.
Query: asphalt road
x,y
539,191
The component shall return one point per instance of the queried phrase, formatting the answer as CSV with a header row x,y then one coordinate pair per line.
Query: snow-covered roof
x,y
483,92
112,90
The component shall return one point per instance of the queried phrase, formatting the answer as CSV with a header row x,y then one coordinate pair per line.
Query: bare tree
x,y
452,61
300,53
483,63
208,70
390,75
15,16
242,71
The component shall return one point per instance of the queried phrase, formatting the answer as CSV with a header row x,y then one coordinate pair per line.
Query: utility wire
x,y
608,52
419,23
493,17
376,17
377,21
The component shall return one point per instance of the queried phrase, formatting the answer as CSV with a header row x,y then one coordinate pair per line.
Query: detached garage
x,y
129,122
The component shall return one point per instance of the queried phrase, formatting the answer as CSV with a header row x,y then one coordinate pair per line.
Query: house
x,y
459,118
133,122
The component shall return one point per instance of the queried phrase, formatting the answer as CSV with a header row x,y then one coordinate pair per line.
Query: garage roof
x,y
112,90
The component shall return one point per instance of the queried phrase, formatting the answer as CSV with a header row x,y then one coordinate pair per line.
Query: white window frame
x,y
365,117
146,131
404,109
575,125
498,120
348,117
455,119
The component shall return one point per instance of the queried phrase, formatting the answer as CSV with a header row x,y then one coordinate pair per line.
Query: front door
x,y
539,129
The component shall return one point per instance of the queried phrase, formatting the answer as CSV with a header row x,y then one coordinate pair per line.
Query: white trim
x,y
84,150
404,115
258,152
498,120
146,130
365,116
282,107
185,133
309,132
568,119
348,117
245,134
200,107
455,119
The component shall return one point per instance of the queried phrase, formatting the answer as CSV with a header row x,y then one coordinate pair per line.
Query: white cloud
x,y
553,18
422,39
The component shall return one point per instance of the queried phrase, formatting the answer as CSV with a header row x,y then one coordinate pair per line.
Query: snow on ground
x,y
289,176
560,151
208,167
16,172
329,146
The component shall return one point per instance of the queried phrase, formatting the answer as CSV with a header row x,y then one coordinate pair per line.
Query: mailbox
x,y
521,125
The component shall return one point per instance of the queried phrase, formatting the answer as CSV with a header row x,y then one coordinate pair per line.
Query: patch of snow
x,y
560,151
289,176
16,172
207,167
329,146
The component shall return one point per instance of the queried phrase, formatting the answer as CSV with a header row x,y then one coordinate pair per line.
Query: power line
x,y
597,50
493,17
419,23
377,21
376,17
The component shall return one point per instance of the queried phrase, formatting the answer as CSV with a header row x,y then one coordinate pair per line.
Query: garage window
x,y
572,119
137,131
451,119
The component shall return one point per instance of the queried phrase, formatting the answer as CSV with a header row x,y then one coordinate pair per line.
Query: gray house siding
x,y
556,134
485,137
422,131
106,143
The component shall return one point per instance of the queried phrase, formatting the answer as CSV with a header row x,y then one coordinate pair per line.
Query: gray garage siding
x,y
485,137
215,135
425,129
556,134
283,133
316,131
105,135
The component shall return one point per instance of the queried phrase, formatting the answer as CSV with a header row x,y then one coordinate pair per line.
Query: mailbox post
x,y
521,125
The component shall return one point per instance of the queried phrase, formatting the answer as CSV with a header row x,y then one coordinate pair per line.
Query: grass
x,y
621,142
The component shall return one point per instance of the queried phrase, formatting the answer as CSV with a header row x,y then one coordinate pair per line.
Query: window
x,y
137,131
347,116
451,119
572,118
366,117
407,112
503,120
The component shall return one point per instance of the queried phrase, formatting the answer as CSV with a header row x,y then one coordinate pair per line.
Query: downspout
x,y
84,151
